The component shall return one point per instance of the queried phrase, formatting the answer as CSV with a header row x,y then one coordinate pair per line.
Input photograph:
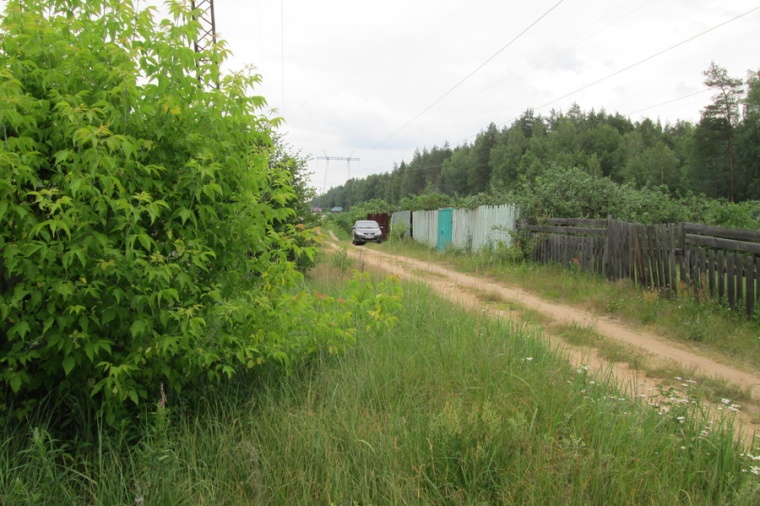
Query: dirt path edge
x,y
457,287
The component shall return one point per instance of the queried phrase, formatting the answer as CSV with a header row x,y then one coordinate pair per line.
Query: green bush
x,y
559,192
145,240
426,202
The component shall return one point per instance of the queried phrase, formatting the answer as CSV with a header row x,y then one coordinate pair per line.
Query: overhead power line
x,y
420,50
668,102
468,76
634,65
648,58
551,54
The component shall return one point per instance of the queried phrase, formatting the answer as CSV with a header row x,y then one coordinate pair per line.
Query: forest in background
x,y
595,159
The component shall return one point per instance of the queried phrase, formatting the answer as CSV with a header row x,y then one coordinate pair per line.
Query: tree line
x,y
718,157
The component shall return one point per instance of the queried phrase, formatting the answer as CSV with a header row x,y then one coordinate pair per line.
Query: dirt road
x,y
464,289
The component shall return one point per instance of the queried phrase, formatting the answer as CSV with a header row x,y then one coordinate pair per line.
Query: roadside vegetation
x,y
171,335
712,328
445,407
153,231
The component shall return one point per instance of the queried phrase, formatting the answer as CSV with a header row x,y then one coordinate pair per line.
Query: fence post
x,y
607,249
682,259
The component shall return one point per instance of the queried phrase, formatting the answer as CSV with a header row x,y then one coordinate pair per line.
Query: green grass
x,y
577,335
448,407
710,327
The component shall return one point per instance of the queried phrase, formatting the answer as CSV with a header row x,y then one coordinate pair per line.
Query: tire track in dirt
x,y
457,287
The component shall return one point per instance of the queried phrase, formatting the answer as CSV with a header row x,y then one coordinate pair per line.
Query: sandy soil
x,y
464,289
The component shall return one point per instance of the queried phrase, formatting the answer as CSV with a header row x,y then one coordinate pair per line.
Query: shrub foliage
x,y
144,235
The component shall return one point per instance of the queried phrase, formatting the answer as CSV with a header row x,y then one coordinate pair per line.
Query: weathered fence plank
x,y
749,276
729,276
709,262
727,233
718,242
711,272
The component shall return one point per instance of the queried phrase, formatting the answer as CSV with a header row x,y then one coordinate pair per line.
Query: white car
x,y
366,230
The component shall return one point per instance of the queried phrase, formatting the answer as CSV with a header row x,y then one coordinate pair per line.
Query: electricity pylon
x,y
206,33
347,159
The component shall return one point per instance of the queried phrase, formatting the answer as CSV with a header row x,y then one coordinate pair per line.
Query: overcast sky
x,y
377,80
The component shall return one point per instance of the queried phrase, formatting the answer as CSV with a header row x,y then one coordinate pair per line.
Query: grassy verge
x,y
707,326
448,407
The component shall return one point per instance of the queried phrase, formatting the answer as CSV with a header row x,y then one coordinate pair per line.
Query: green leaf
x,y
20,329
64,288
186,214
138,328
228,370
68,364
107,315
133,396
145,241
62,156
163,317
15,383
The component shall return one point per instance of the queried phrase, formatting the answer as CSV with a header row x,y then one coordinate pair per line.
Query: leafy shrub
x,y
145,239
574,193
426,202
400,233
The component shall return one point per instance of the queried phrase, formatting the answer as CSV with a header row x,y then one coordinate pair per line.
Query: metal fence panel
x,y
472,229
494,225
484,227
425,227
402,219
462,229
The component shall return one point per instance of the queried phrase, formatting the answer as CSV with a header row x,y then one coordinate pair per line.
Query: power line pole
x,y
207,32
328,159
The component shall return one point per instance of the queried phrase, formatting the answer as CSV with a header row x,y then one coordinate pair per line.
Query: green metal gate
x,y
445,227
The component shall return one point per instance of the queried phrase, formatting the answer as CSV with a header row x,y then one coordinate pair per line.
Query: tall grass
x,y
449,407
454,408
707,325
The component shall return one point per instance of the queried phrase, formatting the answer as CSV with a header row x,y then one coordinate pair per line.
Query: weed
x,y
341,260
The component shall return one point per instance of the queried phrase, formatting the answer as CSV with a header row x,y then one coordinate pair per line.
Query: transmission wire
x,y
647,58
463,80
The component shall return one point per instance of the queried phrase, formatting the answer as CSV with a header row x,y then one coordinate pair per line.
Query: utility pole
x,y
207,35
207,32
328,159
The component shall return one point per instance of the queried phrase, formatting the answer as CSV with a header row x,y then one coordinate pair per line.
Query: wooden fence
x,y
713,263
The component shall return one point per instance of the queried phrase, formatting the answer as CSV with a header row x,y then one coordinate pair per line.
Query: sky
x,y
376,81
